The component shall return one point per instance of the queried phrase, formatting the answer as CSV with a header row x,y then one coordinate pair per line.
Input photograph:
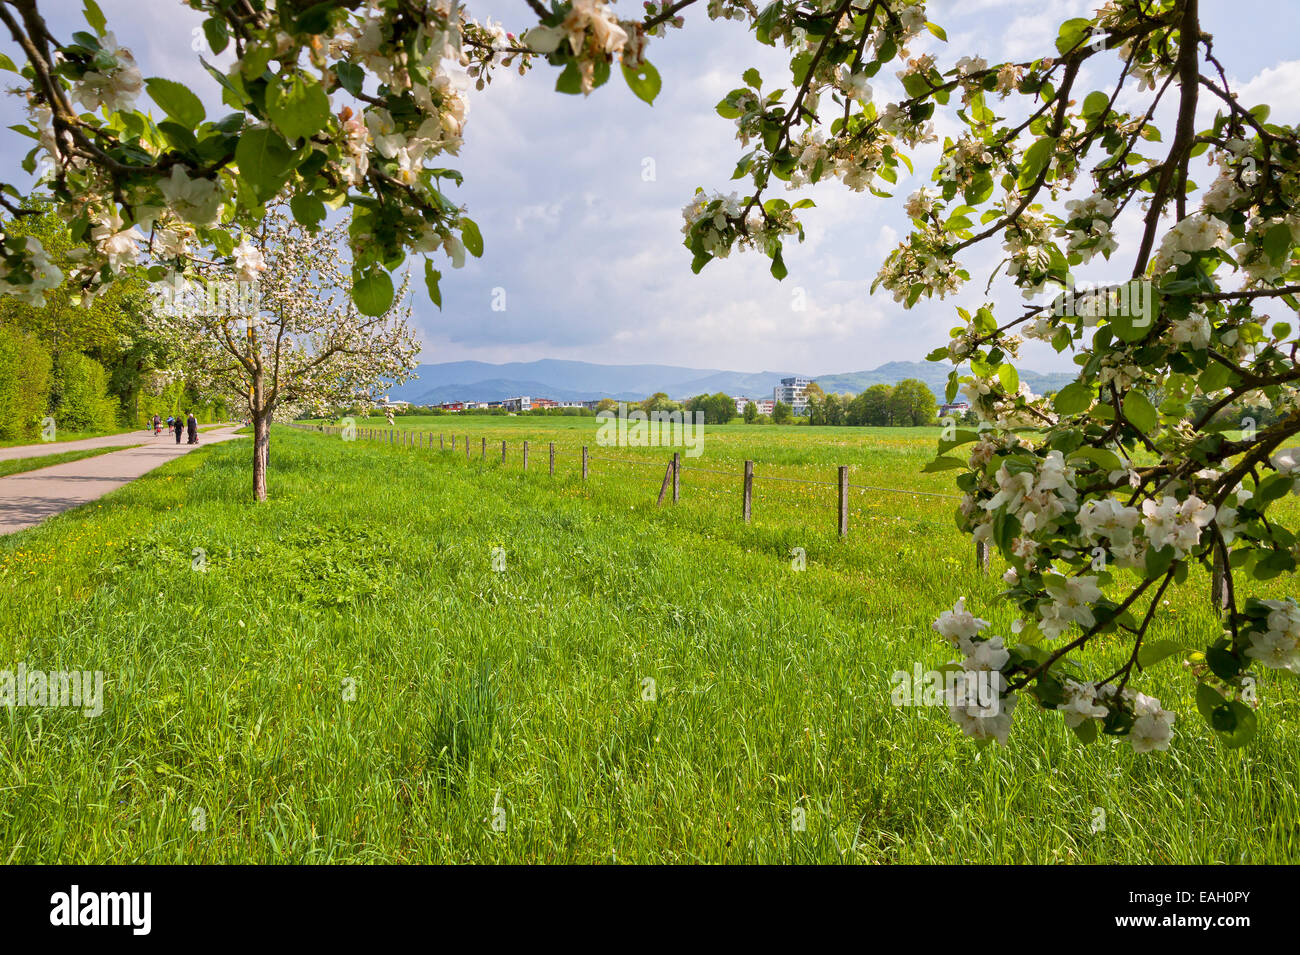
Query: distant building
x,y
794,392
452,406
545,403
523,403
764,405
493,404
954,408
388,403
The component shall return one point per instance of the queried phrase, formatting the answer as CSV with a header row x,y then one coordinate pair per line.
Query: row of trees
x,y
908,404
91,364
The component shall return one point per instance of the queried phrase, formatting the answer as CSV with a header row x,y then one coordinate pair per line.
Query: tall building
x,y
794,392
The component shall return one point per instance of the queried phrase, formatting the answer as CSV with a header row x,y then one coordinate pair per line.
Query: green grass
x,y
19,465
226,690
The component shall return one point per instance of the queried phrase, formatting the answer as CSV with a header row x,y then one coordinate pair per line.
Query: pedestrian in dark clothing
x,y
157,426
192,426
178,425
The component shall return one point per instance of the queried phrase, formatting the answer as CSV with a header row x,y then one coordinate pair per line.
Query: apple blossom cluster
x,y
593,35
1274,633
979,653
25,270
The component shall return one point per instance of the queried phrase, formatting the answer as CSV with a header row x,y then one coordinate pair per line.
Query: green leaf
x,y
1072,31
1107,460
1245,725
264,160
1153,653
351,77
1272,488
94,16
1037,157
431,278
1074,398
217,34
1277,242
470,235
1009,378
1208,699
1094,103
1140,412
779,271
1086,731
307,209
300,107
1224,663
570,79
372,292
752,78
176,100
644,81
943,463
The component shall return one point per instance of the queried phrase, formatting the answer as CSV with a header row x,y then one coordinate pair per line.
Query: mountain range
x,y
580,380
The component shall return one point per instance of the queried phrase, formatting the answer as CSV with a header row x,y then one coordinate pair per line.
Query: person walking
x,y
192,427
157,426
178,425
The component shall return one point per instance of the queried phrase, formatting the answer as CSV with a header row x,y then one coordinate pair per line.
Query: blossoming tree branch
x,y
1103,496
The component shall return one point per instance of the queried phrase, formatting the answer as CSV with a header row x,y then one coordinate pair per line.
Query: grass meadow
x,y
340,675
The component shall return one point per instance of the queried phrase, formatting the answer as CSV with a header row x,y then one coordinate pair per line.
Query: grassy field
x,y
20,465
350,680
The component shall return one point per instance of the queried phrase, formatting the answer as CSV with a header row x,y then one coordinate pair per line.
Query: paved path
x,y
139,436
27,499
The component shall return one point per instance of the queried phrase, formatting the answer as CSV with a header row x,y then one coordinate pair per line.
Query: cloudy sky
x,y
579,199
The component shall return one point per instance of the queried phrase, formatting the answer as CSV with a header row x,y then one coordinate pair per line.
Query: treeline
x,y
910,403
92,366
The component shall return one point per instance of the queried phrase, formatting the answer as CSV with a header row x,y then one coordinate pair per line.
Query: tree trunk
x,y
261,454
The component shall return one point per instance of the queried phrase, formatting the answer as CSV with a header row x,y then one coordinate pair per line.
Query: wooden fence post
x,y
663,488
584,462
390,437
525,455
844,501
552,459
749,487
677,480
441,446
982,556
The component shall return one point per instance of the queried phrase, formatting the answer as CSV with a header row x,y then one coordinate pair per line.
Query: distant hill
x,y
580,380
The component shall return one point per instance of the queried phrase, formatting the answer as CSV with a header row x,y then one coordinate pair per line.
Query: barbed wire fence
x,y
672,477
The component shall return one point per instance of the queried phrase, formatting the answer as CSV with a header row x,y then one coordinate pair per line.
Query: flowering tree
x,y
1103,496
290,340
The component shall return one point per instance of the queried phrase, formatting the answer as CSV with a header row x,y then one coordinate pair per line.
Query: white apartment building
x,y
764,405
524,403
794,392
